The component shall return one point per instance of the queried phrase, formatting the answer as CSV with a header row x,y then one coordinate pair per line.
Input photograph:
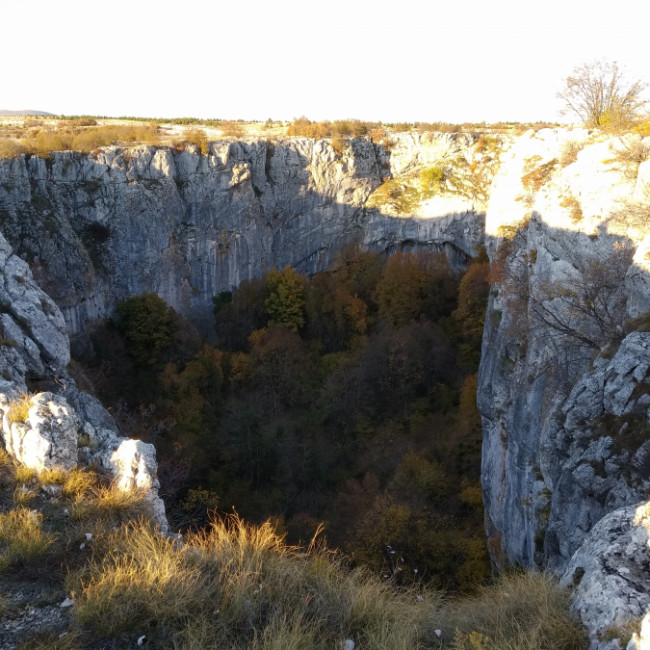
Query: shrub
x,y
432,180
10,148
570,151
338,144
199,139
232,129
631,153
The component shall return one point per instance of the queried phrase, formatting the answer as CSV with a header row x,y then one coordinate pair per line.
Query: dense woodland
x,y
347,398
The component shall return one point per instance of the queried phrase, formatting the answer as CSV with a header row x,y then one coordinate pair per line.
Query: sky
x,y
412,60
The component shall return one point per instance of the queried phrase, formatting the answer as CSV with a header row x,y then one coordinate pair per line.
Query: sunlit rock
x,y
48,436
609,577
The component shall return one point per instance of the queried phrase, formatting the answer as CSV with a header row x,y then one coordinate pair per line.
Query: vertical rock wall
x,y
563,382
101,227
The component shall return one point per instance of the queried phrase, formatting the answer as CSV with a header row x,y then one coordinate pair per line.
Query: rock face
x,y
609,576
61,426
563,383
118,222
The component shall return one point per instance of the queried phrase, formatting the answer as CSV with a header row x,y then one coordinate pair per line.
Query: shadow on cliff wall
x,y
99,228
561,300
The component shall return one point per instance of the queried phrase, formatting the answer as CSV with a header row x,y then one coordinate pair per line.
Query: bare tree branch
x,y
600,95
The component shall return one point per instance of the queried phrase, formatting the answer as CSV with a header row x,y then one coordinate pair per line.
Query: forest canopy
x,y
347,398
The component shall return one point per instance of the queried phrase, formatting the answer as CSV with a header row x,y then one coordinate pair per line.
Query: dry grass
x,y
5,460
239,586
522,611
23,496
52,476
24,474
630,153
574,207
570,151
18,410
106,501
22,538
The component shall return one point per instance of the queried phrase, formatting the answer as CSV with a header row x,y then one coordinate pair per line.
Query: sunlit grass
x,y
109,500
22,538
24,474
19,408
239,586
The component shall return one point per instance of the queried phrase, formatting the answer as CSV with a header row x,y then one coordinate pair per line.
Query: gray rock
x,y
609,577
101,227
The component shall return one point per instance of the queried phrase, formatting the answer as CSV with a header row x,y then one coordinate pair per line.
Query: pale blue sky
x,y
467,60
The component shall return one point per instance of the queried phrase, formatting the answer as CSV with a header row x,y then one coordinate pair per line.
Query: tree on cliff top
x,y
600,95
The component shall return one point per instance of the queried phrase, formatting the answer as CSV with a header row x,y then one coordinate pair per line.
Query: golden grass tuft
x,y
5,459
108,501
78,483
22,538
23,496
52,476
18,410
24,474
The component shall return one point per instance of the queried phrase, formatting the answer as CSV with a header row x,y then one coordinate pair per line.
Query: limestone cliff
x,y
98,228
564,381
562,388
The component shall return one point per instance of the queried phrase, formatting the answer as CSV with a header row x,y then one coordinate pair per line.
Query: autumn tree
x,y
334,316
415,284
285,304
600,95
472,300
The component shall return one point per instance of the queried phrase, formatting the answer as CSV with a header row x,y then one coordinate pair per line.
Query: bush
x,y
199,139
10,148
570,151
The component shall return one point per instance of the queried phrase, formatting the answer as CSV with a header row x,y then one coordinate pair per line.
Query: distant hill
x,y
23,112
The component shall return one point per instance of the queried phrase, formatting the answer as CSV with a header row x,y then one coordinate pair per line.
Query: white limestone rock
x,y
47,438
609,576
134,466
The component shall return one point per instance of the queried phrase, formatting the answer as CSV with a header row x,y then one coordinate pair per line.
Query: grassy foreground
x,y
236,586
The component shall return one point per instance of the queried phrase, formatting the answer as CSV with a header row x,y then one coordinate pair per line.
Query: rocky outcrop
x,y
118,222
564,388
609,578
61,426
